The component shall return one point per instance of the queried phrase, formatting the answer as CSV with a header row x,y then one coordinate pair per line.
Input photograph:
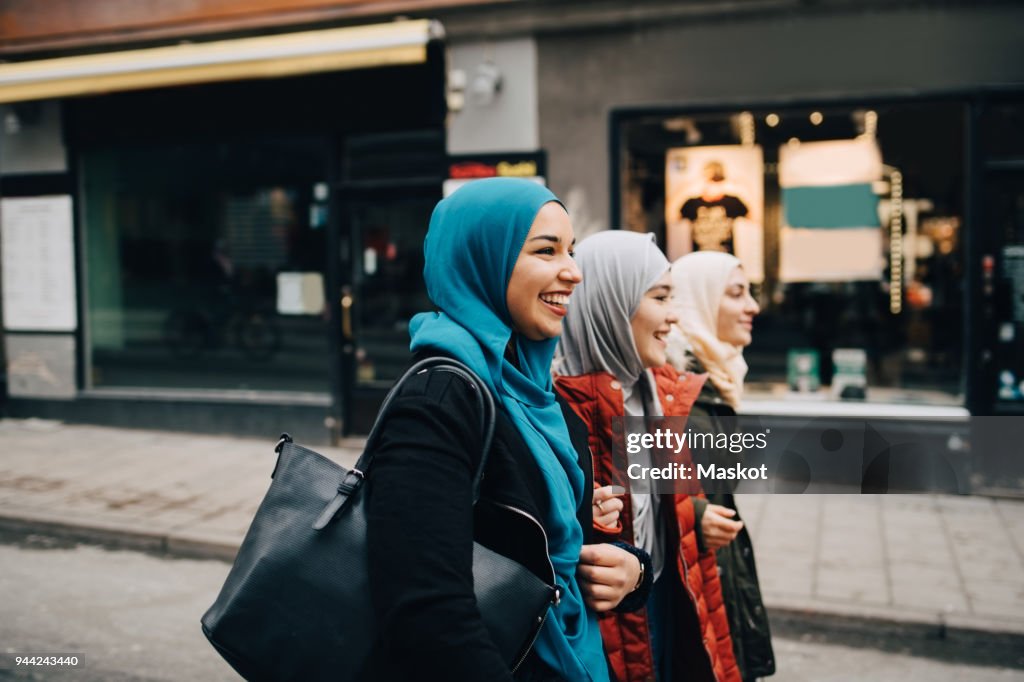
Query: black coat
x,y
741,591
421,528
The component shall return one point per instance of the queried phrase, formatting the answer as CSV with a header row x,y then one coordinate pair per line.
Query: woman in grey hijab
x,y
611,363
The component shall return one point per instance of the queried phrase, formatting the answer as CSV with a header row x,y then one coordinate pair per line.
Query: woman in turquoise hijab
x,y
499,268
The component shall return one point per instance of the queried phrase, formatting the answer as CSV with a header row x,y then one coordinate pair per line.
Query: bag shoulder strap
x,y
484,399
356,476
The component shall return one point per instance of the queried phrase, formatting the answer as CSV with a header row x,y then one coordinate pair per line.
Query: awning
x,y
291,54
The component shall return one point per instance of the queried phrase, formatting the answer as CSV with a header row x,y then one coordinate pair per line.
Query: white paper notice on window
x,y
38,264
300,293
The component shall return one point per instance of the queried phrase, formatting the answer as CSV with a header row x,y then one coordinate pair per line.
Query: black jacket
x,y
421,529
741,591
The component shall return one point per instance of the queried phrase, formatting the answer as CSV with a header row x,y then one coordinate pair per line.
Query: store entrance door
x,y
380,242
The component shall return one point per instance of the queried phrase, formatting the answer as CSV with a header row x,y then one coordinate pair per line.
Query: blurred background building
x,y
213,212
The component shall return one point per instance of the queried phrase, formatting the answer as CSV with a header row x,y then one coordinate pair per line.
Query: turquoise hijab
x,y
472,245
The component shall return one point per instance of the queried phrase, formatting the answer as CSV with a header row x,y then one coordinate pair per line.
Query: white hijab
x,y
698,281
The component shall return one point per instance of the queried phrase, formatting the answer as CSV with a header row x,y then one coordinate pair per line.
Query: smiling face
x,y
652,321
544,276
737,310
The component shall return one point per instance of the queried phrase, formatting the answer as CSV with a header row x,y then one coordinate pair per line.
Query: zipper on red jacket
x,y
693,600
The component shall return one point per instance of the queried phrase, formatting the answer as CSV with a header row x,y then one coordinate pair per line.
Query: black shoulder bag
x,y
296,604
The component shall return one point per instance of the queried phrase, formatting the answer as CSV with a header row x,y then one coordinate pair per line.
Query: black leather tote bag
x,y
296,603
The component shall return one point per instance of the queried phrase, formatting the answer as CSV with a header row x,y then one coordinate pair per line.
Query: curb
x,y
928,623
951,637
119,536
980,643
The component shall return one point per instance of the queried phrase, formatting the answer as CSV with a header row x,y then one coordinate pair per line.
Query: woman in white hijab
x,y
611,363
716,315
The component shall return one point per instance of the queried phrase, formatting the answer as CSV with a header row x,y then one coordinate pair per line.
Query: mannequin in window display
x,y
712,214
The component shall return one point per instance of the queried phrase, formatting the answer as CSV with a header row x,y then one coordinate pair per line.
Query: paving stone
x,y
924,504
934,551
1012,511
996,591
1001,608
963,504
856,551
786,545
917,597
868,587
939,577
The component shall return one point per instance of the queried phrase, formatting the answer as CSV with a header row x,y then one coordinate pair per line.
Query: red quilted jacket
x,y
597,398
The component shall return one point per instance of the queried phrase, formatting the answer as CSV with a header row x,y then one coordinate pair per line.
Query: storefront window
x,y
849,220
205,265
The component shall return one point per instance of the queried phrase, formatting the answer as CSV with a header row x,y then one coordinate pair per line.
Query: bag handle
x,y
355,477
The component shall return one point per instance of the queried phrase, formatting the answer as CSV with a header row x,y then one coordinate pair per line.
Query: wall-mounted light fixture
x,y
486,84
456,94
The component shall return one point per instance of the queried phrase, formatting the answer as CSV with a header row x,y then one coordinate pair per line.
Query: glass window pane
x,y
905,321
184,248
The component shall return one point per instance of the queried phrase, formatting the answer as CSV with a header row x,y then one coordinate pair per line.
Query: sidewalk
x,y
930,562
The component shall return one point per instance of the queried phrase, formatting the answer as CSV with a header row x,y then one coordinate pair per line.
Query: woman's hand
x,y
717,528
607,506
606,574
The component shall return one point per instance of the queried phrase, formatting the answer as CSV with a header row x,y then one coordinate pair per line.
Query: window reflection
x,y
900,308
184,245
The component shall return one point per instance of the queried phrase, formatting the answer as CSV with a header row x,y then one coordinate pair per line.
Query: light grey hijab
x,y
618,268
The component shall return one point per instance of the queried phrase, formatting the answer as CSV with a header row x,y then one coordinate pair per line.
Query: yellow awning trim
x,y
401,42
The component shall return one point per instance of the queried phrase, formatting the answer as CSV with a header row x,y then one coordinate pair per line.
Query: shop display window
x,y
204,264
848,219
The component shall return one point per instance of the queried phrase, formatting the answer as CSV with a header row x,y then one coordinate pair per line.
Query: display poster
x,y
714,201
300,293
830,228
38,264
